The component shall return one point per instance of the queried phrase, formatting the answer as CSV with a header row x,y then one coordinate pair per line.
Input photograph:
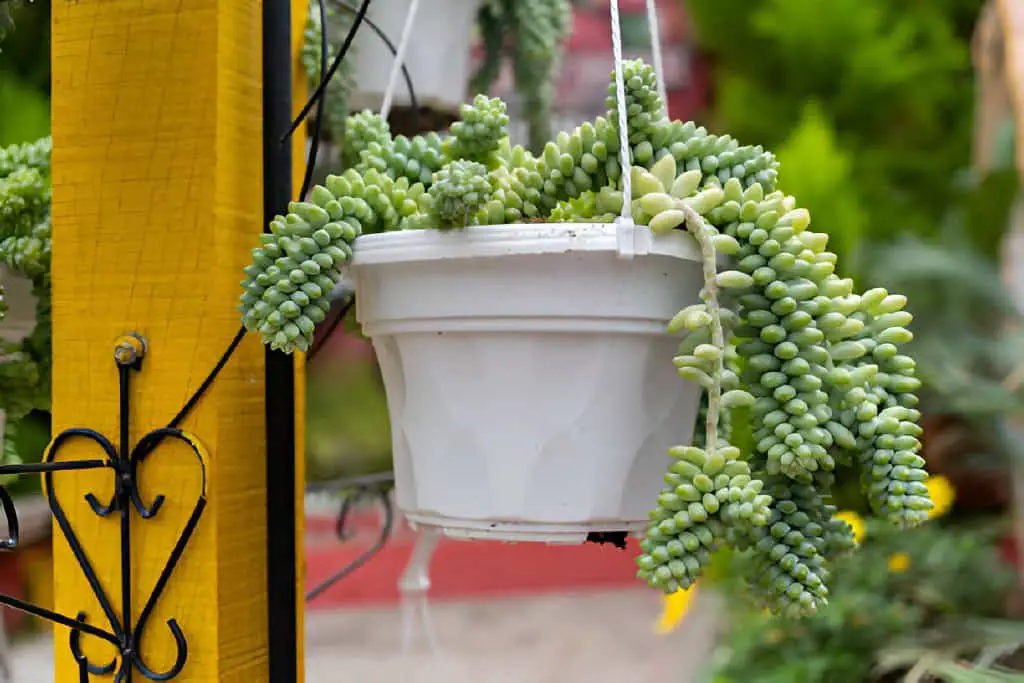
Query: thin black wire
x,y
315,98
205,386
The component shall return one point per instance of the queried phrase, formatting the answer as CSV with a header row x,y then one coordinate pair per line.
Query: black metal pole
x,y
282,601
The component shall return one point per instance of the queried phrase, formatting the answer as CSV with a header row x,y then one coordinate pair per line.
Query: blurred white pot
x,y
438,55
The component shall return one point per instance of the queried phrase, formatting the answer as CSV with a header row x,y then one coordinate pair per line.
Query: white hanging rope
x,y
655,31
396,67
620,92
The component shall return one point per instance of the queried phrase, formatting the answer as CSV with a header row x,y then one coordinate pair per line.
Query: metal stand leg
x,y
414,585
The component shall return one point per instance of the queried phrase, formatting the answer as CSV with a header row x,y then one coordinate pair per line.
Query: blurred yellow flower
x,y
674,609
899,563
942,494
855,521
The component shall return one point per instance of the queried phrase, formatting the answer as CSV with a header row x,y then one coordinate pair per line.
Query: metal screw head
x,y
129,350
124,354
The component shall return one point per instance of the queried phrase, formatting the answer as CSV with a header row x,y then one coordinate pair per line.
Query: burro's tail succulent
x,y
460,189
782,346
821,376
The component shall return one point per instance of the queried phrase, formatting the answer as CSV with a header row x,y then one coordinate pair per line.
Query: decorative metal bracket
x,y
352,490
123,461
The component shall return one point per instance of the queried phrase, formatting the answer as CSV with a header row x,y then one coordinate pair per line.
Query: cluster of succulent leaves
x,y
924,597
817,366
538,29
25,365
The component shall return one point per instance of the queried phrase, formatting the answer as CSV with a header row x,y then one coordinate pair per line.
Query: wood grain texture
x,y
156,204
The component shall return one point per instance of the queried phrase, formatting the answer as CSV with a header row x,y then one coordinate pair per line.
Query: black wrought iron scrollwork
x,y
123,460
353,490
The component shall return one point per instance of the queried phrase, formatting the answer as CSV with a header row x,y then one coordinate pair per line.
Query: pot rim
x,y
494,241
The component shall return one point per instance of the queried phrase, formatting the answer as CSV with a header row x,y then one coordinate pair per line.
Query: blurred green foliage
x,y
937,591
969,338
25,74
816,169
868,103
347,428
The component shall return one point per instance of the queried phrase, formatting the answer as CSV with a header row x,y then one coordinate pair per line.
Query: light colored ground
x,y
587,638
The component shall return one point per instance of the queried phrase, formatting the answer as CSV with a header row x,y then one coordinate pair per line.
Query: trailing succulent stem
x,y
800,371
814,393
695,225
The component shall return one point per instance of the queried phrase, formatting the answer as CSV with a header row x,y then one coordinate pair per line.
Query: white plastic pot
x,y
438,55
528,373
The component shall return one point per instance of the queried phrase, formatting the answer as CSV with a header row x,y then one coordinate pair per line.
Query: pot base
x,y
516,532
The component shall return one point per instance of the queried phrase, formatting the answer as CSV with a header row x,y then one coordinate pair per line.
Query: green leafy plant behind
x,y
347,428
26,110
820,172
891,78
529,34
25,366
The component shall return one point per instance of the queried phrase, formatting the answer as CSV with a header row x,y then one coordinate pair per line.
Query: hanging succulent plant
x,y
817,368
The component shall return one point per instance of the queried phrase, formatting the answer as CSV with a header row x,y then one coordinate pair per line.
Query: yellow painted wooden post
x,y
156,204
300,11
